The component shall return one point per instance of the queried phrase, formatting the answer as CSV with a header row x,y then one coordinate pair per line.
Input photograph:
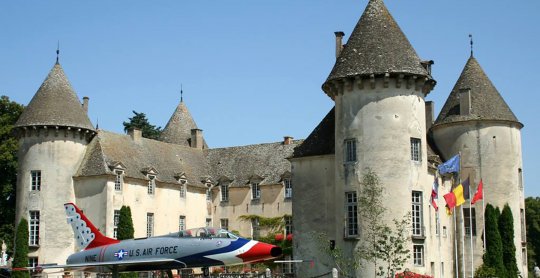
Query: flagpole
x,y
455,244
484,214
440,258
461,223
471,232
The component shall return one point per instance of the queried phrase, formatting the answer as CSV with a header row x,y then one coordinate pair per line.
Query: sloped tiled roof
x,y
109,148
239,164
321,141
55,103
178,129
486,102
377,46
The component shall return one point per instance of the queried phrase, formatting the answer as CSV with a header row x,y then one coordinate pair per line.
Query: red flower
x,y
289,237
279,237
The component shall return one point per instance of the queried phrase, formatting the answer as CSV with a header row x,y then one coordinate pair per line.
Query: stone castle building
x,y
380,121
170,184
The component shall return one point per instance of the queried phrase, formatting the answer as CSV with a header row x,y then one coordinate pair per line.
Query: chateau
x,y
380,121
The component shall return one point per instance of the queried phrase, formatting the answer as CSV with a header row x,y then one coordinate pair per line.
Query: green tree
x,y
21,250
141,122
9,113
532,208
493,256
506,229
125,224
125,231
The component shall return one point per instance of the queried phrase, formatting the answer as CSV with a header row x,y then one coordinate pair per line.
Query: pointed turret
x,y
377,46
178,129
474,90
55,104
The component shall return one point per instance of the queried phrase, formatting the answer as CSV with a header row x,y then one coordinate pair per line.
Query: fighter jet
x,y
200,247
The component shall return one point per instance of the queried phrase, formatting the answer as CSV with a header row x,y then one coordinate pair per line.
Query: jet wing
x,y
111,264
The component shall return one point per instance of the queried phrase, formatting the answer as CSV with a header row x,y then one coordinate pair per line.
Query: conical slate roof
x,y
486,102
55,103
178,129
377,46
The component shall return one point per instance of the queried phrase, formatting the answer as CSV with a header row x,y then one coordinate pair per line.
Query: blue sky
x,y
252,70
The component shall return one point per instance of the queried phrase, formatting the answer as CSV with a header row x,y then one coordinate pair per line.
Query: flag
x,y
479,193
450,199
458,193
466,189
451,165
434,193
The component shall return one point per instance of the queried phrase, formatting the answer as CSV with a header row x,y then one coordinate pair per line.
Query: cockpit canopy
x,y
205,232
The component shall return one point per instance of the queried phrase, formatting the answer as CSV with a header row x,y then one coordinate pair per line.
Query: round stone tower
x,y
53,133
476,122
379,84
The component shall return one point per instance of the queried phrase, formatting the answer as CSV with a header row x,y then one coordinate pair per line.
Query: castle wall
x,y
490,151
271,204
57,155
314,203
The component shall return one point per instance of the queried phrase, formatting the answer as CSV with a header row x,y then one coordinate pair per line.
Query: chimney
x,y
465,101
339,42
85,104
196,138
135,134
429,114
287,140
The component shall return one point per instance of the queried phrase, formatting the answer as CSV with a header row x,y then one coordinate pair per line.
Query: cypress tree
x,y
125,231
506,229
125,224
493,257
20,258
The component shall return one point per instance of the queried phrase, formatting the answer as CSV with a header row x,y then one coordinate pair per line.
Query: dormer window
x,y
208,191
224,188
255,191
183,185
151,184
118,180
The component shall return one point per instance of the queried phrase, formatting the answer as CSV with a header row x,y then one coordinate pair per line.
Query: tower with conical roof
x,y
378,85
476,122
53,133
181,128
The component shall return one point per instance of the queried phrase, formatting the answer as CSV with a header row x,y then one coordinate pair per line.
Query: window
x,y
524,255
523,229
255,191
255,232
288,225
208,222
469,218
182,223
149,224
288,188
33,237
418,254
208,192
183,183
415,149
350,150
520,179
351,210
116,220
118,181
224,192
36,180
444,232
288,266
224,223
151,184
417,228
32,261
437,225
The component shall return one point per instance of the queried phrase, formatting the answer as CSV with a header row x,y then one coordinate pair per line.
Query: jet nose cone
x,y
276,251
261,251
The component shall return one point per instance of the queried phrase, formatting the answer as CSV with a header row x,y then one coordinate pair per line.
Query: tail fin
x,y
87,235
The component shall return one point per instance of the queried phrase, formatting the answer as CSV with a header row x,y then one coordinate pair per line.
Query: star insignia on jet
x,y
120,254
